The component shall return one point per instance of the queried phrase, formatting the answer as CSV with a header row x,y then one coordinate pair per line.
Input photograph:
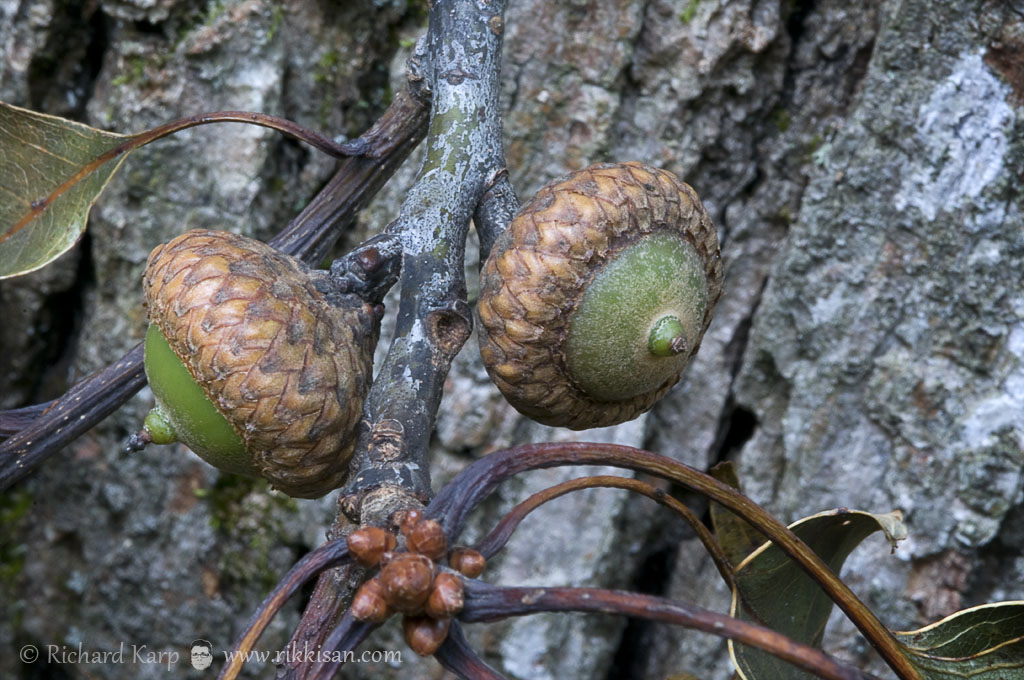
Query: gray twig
x,y
497,207
459,63
464,157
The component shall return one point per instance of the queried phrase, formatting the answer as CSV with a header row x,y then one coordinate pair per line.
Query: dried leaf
x,y
52,170
773,591
980,643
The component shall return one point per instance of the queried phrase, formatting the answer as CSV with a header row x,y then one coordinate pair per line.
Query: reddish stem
x,y
501,533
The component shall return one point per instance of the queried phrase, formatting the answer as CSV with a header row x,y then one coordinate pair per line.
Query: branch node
x,y
387,440
377,506
371,269
450,327
415,78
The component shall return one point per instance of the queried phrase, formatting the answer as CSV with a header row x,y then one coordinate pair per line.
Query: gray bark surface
x,y
862,162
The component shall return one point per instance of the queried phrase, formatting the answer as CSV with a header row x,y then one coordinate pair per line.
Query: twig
x,y
463,154
370,269
67,418
497,207
457,656
312,564
314,231
485,602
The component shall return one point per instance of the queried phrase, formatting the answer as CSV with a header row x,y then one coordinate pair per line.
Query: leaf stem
x,y
458,657
311,565
485,602
452,504
282,125
499,536
136,141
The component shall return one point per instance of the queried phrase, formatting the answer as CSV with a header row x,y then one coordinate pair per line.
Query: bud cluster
x,y
412,582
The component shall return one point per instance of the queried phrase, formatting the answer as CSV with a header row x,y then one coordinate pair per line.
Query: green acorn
x,y
255,364
594,299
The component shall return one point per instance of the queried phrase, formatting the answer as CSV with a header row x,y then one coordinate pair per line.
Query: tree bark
x,y
861,161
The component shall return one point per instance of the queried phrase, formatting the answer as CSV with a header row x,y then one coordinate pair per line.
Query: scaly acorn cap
x,y
597,295
285,359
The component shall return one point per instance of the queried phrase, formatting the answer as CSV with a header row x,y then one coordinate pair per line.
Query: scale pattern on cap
x,y
539,268
288,368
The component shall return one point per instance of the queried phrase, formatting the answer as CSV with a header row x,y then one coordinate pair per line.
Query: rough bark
x,y
862,162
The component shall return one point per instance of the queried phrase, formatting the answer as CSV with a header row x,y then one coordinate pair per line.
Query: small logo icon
x,y
202,654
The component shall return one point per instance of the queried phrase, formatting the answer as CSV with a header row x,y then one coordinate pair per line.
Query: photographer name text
x,y
124,653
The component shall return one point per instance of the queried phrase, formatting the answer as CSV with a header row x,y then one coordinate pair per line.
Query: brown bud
x,y
369,604
387,557
427,538
423,634
446,597
368,544
407,519
467,562
406,582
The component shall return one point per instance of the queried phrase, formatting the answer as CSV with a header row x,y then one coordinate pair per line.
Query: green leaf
x,y
52,170
737,538
773,591
980,643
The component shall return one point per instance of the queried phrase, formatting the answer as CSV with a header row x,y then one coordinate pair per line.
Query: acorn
x,y
257,363
596,296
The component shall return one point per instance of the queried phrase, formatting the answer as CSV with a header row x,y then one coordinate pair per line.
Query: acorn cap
x,y
287,364
598,293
